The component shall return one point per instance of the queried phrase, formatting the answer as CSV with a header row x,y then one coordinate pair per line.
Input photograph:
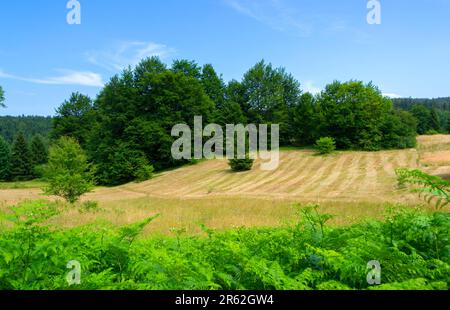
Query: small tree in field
x,y
325,145
239,165
68,172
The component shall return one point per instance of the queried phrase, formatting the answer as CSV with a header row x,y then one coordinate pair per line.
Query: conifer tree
x,y
5,158
39,153
21,168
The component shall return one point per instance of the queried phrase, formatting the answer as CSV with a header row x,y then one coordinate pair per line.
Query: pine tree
x,y
5,159
39,153
435,123
21,168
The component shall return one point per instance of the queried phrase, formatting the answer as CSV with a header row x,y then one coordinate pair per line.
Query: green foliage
x,y
39,155
353,114
432,132
239,165
2,98
412,247
305,120
399,130
268,96
68,173
74,118
135,115
325,145
144,173
21,165
432,188
10,126
5,159
423,116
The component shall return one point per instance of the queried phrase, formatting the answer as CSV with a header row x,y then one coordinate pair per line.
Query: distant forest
x,y
30,126
436,103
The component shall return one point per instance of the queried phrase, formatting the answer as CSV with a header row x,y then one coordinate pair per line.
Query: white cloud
x,y
392,95
308,86
274,13
128,54
68,77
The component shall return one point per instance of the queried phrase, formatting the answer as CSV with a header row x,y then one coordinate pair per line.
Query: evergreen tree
x,y
448,122
39,153
74,118
435,121
4,160
21,168
2,97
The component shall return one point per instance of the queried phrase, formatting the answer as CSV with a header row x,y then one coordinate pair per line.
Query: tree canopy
x,y
127,128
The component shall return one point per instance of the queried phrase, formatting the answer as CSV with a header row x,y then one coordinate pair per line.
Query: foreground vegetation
x,y
412,247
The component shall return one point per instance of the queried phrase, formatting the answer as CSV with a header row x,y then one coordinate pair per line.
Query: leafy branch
x,y
428,186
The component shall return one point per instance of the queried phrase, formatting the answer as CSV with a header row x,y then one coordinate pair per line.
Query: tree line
x,y
126,130
128,126
22,160
30,126
433,115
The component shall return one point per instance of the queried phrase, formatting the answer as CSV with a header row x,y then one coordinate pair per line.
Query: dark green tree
x,y
152,65
2,97
269,95
21,167
435,121
74,118
305,121
39,154
448,122
5,158
187,67
213,85
423,116
399,130
352,114
135,119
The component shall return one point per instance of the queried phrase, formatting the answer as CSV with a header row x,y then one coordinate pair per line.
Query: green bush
x,y
239,165
325,145
432,132
144,173
411,246
68,172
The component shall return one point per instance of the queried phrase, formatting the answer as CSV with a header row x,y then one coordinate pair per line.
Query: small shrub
x,y
144,173
325,145
90,207
432,132
239,165
68,172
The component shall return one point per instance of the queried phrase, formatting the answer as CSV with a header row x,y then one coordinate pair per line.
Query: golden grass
x,y
351,185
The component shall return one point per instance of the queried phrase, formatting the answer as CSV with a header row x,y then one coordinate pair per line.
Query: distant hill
x,y
436,103
29,125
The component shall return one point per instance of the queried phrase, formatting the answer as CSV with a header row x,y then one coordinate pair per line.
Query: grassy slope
x,y
351,185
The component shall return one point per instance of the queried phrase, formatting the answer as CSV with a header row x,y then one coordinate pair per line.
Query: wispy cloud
x,y
68,77
308,86
128,54
274,13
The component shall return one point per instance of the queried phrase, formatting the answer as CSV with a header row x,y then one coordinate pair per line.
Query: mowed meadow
x,y
351,185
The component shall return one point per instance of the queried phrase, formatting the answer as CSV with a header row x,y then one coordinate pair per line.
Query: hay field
x,y
351,185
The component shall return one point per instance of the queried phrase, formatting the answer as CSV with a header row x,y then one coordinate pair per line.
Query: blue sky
x,y
43,58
